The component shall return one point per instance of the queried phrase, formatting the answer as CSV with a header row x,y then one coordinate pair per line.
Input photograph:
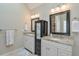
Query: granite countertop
x,y
59,40
29,34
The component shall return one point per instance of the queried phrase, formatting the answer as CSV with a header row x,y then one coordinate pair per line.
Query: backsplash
x,y
62,36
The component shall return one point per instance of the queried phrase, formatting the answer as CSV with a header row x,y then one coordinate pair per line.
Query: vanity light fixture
x,y
64,7
57,9
52,10
32,16
35,16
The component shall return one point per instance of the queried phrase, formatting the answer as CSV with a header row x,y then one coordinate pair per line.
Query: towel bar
x,y
7,29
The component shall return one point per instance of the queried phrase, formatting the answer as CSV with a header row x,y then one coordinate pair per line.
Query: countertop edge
x,y
58,41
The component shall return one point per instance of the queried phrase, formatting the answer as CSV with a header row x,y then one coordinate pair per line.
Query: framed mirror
x,y
33,24
60,23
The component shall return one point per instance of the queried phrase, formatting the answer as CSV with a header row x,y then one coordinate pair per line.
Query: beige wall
x,y
13,16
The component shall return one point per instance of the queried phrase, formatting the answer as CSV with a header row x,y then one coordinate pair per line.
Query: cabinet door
x,y
29,43
50,48
64,52
51,51
43,50
47,49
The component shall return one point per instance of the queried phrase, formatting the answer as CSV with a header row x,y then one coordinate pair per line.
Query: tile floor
x,y
19,52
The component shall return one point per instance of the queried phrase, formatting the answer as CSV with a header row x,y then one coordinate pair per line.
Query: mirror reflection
x,y
33,24
60,23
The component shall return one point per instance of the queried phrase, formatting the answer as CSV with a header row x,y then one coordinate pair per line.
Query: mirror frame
x,y
67,22
32,23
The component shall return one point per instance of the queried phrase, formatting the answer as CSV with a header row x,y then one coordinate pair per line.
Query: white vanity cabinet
x,y
29,42
50,48
47,49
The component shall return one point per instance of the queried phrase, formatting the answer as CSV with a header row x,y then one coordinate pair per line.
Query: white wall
x,y
27,17
13,16
44,10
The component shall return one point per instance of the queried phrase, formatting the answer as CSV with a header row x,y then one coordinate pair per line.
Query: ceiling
x,y
33,5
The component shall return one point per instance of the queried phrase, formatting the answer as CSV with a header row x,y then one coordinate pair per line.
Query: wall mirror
x,y
60,23
33,24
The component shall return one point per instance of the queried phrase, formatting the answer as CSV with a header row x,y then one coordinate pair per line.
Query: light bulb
x,y
57,9
38,15
64,7
35,16
32,16
52,10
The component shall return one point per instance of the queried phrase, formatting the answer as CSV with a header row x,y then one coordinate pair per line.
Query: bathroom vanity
x,y
49,45
56,47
